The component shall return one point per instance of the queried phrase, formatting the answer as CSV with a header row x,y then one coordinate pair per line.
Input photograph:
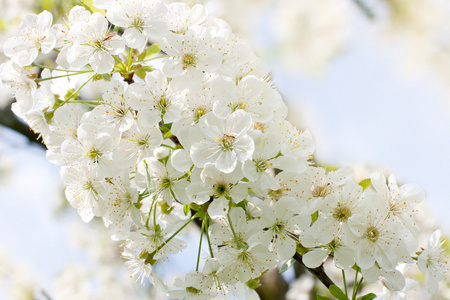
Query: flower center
x,y
162,104
138,23
342,213
221,190
143,142
198,113
227,141
94,154
261,165
372,234
235,106
189,60
165,183
320,190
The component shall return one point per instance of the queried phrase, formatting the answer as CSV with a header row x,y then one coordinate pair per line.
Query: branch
x,y
318,272
365,9
11,121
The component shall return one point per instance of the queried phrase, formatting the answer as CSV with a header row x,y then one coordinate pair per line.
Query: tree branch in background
x,y
365,9
273,286
10,120
318,272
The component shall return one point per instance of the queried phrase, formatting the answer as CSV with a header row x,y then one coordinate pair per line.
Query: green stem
x,y
167,146
200,244
173,235
87,101
156,57
150,211
154,213
232,230
357,288
77,90
354,286
345,283
130,58
55,69
61,76
207,237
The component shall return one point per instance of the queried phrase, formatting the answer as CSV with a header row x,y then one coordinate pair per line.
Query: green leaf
x,y
149,52
186,209
365,183
337,292
89,5
323,297
287,264
369,296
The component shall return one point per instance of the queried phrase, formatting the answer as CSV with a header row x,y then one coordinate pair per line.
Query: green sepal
x,y
365,183
186,209
356,268
165,208
337,292
150,259
106,77
49,116
253,283
301,250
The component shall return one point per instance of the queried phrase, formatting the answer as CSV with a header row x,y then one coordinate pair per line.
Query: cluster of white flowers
x,y
199,135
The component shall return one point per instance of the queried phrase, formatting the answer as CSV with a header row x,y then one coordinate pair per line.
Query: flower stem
x,y
357,288
232,230
167,146
345,283
207,237
176,232
76,91
200,244
55,69
130,58
354,286
156,57
61,76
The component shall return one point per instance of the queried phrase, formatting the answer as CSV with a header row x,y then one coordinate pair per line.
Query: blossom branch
x,y
318,272
9,120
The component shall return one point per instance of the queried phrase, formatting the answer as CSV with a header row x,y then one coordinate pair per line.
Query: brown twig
x,y
318,272
11,121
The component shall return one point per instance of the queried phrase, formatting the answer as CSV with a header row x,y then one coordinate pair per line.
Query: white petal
x,y
315,257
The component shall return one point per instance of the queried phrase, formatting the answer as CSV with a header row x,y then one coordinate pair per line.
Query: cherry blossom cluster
x,y
198,132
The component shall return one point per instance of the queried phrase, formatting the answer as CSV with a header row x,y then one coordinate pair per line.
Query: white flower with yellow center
x,y
224,142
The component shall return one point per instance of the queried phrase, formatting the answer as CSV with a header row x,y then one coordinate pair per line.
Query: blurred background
x,y
369,78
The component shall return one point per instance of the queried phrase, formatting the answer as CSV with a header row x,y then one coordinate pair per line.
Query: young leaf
x,y
287,265
149,52
337,292
369,296
89,5
323,297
